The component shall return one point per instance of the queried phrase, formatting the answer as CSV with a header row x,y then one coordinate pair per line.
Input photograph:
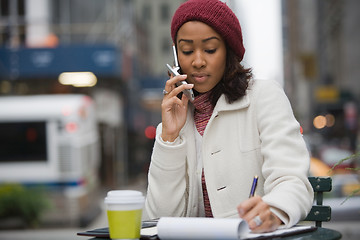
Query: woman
x,y
207,152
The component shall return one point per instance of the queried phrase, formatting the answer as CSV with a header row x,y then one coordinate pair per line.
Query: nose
x,y
199,60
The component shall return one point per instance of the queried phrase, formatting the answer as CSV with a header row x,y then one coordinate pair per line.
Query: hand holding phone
x,y
175,71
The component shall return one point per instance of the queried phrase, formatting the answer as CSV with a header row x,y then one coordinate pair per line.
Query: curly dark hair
x,y
235,80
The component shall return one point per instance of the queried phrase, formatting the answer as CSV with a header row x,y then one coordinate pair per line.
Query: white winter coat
x,y
256,135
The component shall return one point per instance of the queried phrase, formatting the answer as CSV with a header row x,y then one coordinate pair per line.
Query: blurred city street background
x,y
81,86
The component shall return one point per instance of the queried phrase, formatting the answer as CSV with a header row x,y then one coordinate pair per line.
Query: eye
x,y
187,52
210,51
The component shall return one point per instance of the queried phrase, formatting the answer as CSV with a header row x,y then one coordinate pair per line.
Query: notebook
x,y
201,228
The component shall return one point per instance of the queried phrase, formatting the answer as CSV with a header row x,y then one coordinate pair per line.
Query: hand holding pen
x,y
257,213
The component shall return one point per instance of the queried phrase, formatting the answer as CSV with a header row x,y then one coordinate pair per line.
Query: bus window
x,y
23,141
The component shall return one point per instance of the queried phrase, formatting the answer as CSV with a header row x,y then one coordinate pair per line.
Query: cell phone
x,y
175,71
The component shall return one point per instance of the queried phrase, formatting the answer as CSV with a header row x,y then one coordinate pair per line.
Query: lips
x,y
199,77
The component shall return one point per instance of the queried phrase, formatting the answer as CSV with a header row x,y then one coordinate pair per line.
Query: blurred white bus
x,y
52,141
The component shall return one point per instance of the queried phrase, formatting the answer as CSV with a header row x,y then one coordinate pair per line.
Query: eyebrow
x,y
204,40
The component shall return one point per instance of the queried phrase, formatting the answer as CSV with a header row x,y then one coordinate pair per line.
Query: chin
x,y
202,90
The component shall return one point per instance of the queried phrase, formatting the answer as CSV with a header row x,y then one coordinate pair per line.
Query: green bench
x,y
318,212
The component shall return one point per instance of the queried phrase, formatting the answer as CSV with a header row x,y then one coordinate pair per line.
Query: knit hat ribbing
x,y
217,15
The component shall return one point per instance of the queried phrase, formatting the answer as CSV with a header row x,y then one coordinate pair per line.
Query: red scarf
x,y
202,114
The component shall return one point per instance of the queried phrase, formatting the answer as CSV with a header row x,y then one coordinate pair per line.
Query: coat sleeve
x,y
286,158
167,189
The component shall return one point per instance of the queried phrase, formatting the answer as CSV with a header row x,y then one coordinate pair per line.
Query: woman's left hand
x,y
258,215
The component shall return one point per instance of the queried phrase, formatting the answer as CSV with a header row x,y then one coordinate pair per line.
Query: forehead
x,y
194,30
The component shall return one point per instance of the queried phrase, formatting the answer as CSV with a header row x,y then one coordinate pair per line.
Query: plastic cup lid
x,y
124,197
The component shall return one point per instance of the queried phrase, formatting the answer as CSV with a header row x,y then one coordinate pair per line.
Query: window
x,y
166,46
164,12
23,141
12,14
146,12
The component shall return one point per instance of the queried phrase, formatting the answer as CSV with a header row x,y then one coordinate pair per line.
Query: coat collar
x,y
223,105
243,102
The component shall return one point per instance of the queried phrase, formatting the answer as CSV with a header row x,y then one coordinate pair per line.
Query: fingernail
x,y
184,76
190,84
241,212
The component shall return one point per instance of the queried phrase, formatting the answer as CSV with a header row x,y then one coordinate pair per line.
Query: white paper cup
x,y
124,210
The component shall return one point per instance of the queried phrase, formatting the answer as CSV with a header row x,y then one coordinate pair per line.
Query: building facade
x,y
321,55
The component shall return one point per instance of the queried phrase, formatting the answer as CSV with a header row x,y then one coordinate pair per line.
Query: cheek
x,y
184,64
221,66
219,60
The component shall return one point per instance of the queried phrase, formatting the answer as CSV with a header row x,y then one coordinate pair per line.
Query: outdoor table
x,y
319,234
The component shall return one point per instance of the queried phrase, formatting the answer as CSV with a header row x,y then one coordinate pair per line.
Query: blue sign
x,y
103,60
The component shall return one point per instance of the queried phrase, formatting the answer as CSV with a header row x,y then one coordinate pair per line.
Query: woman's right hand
x,y
173,109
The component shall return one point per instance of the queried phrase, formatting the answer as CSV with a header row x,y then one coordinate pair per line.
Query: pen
x,y
253,187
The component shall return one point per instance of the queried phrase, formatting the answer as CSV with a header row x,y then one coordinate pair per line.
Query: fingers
x,y
170,84
172,90
173,109
250,208
258,215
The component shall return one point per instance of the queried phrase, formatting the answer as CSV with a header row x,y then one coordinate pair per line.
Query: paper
x,y
201,228
149,231
279,232
216,228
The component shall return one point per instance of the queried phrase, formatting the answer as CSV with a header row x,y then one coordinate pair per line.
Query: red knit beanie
x,y
217,15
